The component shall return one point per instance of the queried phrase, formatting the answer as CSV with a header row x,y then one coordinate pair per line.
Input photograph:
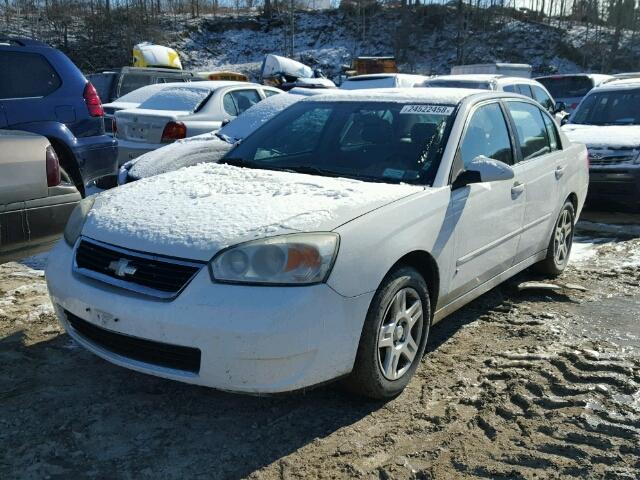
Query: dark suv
x,y
43,92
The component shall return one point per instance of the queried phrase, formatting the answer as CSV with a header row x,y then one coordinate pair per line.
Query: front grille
x,y
158,276
147,351
605,158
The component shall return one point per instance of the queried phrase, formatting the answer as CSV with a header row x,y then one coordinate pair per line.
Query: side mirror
x,y
560,107
483,169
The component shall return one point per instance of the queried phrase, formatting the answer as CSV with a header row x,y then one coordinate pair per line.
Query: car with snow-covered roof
x,y
571,88
183,111
500,83
607,121
323,245
382,80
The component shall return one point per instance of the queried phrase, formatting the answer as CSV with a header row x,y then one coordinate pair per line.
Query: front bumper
x,y
96,157
252,339
618,185
128,150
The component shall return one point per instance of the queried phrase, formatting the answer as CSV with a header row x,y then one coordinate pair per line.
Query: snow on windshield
x,y
177,98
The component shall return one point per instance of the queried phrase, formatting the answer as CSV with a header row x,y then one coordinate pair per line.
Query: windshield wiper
x,y
311,170
227,138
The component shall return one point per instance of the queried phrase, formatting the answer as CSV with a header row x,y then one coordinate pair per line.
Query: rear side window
x,y
24,75
542,97
270,93
134,81
245,99
567,86
487,135
524,89
530,129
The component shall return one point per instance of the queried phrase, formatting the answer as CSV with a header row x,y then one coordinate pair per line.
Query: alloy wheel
x,y
563,237
400,333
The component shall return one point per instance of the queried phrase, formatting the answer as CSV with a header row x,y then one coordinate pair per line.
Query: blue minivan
x,y
43,92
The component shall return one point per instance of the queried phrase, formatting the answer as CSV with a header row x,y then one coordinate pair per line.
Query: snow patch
x,y
608,136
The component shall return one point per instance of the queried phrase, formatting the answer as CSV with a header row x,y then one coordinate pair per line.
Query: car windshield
x,y
177,99
459,84
613,107
567,87
374,141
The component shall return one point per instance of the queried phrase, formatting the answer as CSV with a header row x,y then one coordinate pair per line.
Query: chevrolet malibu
x,y
325,244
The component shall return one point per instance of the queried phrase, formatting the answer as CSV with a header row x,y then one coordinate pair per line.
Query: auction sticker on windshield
x,y
427,109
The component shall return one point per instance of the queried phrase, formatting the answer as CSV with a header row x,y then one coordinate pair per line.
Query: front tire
x,y
394,336
559,248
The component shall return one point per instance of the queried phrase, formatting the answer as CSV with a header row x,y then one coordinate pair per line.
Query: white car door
x,y
489,215
539,170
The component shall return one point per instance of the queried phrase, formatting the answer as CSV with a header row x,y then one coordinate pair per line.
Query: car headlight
x,y
76,220
294,259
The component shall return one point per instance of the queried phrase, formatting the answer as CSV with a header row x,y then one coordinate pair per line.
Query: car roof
x,y
212,84
450,96
377,76
622,84
485,77
594,76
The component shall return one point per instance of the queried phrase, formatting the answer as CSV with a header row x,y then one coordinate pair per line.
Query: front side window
x,y
26,75
375,141
530,129
487,135
542,97
613,107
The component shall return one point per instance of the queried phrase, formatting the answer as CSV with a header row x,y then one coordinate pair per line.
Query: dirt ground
x,y
519,384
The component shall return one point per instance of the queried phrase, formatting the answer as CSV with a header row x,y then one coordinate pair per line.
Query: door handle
x,y
517,189
559,172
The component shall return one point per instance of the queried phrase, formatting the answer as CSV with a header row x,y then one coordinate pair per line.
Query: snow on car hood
x,y
604,136
194,212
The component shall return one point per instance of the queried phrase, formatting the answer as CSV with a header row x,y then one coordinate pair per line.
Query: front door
x,y
489,215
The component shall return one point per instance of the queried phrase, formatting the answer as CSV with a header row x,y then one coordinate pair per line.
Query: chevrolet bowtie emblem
x,y
121,268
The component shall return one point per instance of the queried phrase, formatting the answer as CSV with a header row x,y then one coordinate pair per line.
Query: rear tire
x,y
559,248
394,336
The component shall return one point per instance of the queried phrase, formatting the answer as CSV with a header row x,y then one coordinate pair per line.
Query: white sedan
x,y
182,111
326,243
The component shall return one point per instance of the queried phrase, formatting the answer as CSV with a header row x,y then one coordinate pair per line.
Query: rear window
x,y
25,75
459,84
177,98
133,81
567,87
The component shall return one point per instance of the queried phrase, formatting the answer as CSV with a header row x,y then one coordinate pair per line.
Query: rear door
x,y
538,155
489,213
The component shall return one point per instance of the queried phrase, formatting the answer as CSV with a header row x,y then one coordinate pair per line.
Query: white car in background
x,y
500,83
132,100
382,80
210,147
326,243
182,111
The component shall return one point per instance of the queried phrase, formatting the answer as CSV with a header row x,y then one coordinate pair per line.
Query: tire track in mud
x,y
560,412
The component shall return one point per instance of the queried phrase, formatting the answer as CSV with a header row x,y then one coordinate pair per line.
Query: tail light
x,y
174,131
91,98
53,167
